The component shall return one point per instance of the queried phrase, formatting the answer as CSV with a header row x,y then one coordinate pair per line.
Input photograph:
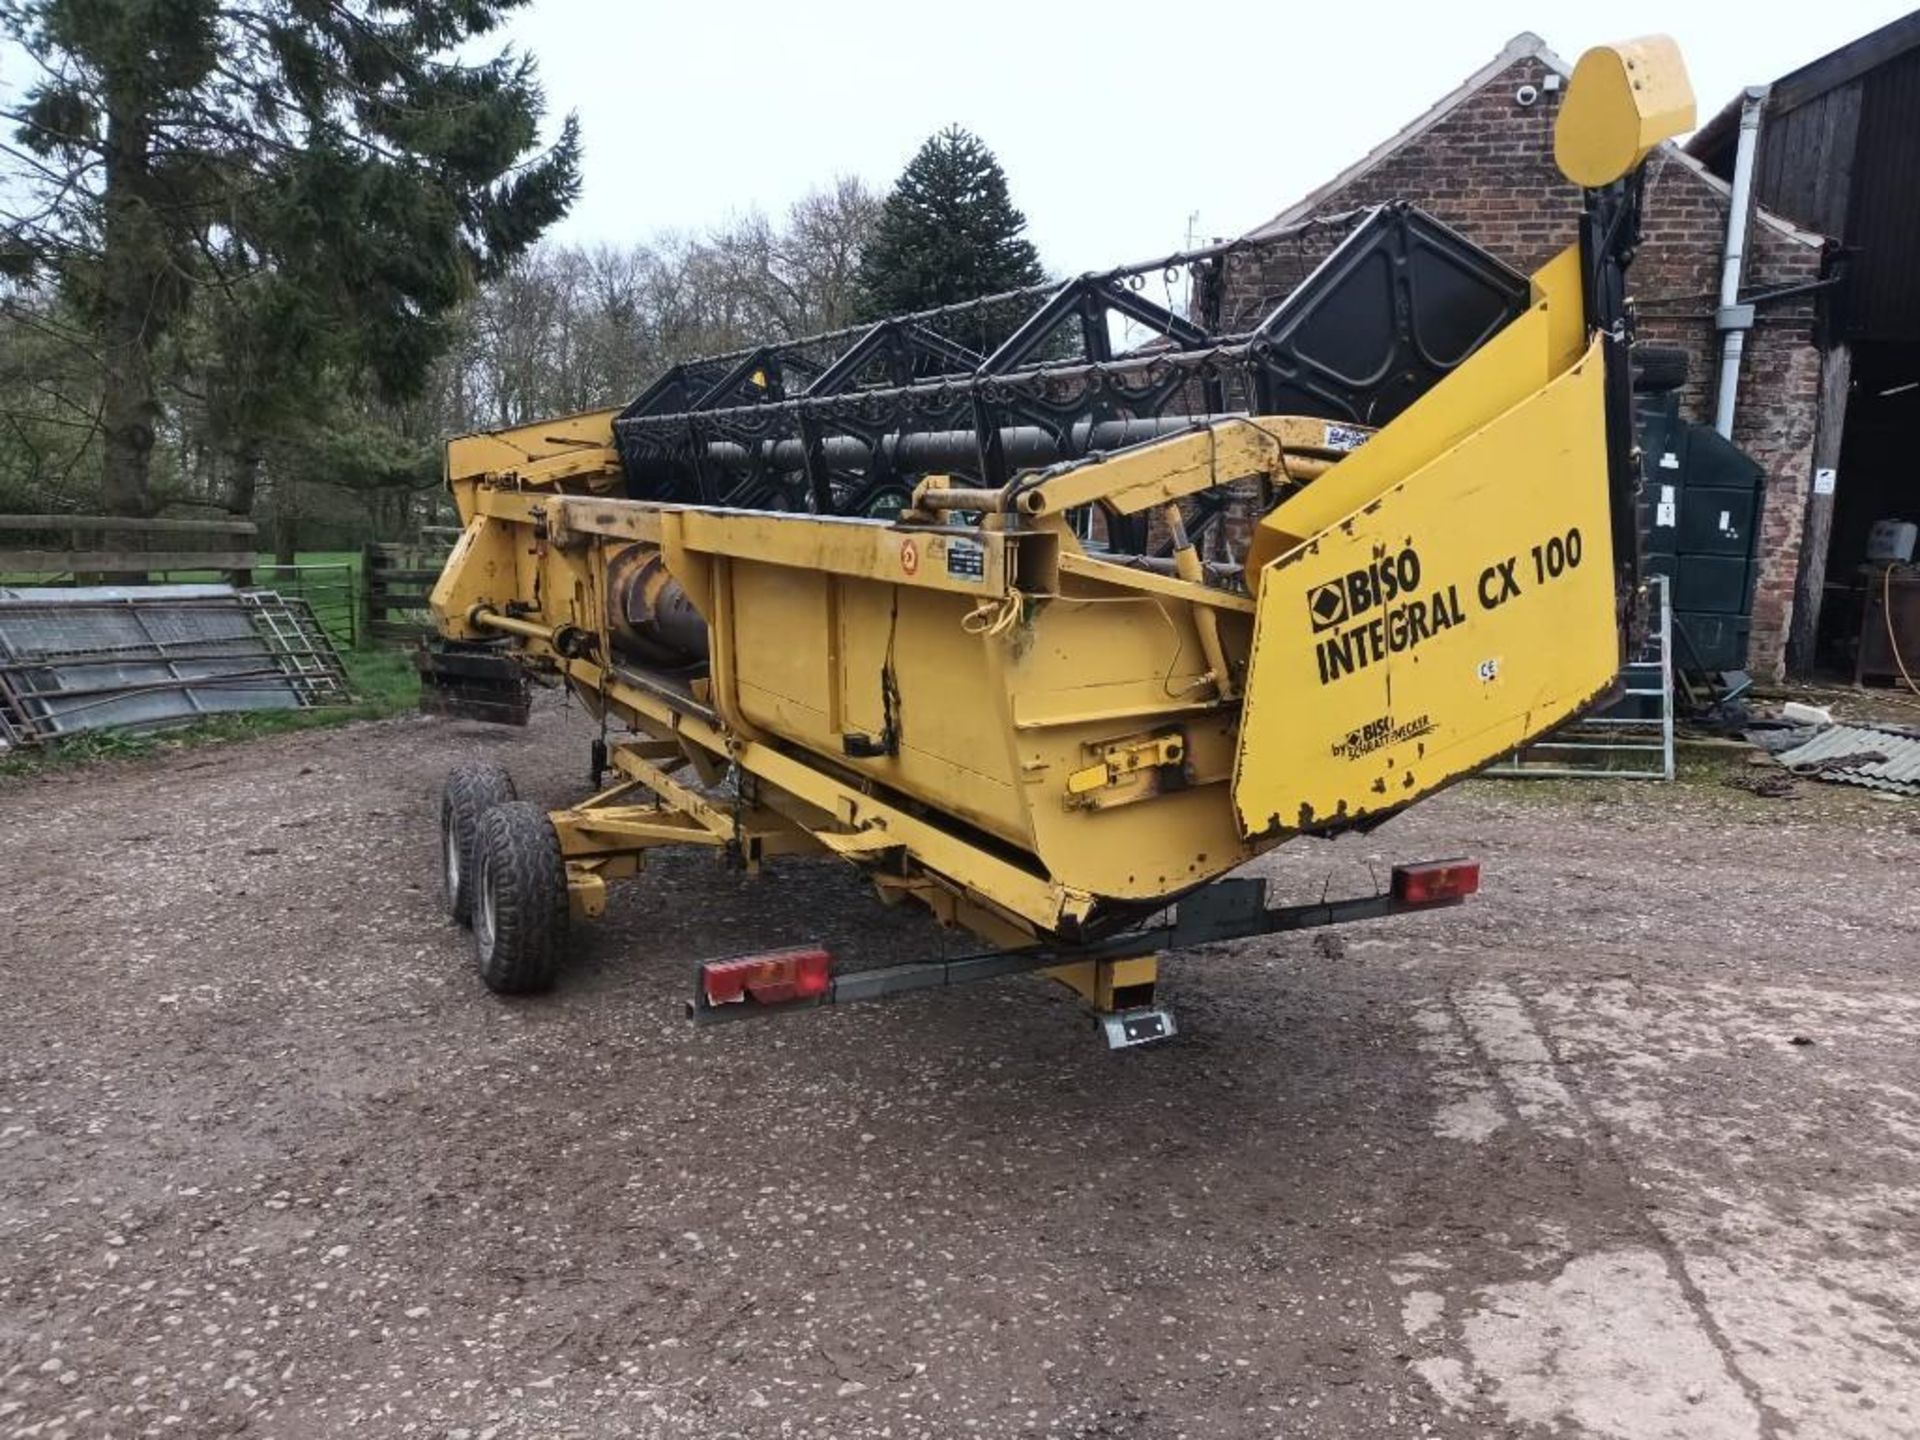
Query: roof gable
x,y
1524,46
1811,81
1849,62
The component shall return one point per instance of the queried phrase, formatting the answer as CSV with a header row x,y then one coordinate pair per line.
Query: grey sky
x,y
1115,121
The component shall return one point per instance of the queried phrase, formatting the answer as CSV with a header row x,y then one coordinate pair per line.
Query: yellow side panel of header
x,y
1465,610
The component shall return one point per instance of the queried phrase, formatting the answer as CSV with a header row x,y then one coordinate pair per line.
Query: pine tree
x,y
320,179
948,231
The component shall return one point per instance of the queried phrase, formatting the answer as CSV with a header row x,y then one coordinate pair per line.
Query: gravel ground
x,y
1629,1146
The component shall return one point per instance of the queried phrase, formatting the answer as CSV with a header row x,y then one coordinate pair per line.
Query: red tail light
x,y
772,978
1437,882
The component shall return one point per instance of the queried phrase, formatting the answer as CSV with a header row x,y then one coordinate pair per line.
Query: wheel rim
x,y
483,911
450,856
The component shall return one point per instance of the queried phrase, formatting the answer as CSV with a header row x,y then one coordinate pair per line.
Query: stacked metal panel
x,y
1868,755
151,656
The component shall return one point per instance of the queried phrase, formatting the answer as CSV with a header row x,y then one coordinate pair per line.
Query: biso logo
x,y
1327,604
1358,591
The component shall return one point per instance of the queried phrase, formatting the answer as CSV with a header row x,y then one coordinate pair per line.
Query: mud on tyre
x,y
520,911
472,789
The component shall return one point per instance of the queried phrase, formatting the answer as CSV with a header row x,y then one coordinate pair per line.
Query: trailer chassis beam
x,y
607,835
1109,972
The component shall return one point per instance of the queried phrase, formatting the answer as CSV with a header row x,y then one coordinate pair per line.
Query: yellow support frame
x,y
1011,904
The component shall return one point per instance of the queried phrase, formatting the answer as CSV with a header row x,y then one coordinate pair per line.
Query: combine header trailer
x,y
929,596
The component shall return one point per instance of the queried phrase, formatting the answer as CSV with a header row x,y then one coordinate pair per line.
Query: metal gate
x,y
1631,739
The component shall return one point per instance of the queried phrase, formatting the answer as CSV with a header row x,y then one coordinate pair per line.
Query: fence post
x,y
365,607
399,580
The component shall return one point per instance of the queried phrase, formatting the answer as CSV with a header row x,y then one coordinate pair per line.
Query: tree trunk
x,y
243,481
286,520
131,279
242,486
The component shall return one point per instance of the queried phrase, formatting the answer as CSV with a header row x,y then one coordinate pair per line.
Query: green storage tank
x,y
1703,499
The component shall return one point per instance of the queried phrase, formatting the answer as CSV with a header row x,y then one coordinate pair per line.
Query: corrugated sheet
x,y
207,590
126,657
1898,772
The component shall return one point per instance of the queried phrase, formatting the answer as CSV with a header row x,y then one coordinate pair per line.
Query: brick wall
x,y
1486,168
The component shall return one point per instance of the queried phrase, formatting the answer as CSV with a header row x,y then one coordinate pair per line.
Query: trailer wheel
x,y
472,789
520,910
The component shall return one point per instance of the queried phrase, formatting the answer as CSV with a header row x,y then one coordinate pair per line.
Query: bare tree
x,y
571,329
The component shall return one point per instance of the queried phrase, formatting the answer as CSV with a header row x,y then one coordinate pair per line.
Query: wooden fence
x,y
395,581
56,546
388,604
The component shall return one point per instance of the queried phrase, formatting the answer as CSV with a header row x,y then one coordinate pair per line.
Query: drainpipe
x,y
1733,319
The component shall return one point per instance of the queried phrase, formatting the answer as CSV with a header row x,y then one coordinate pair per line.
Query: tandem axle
x,y
520,875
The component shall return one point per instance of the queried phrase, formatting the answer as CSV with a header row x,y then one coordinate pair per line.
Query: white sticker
x,y
1669,461
1489,670
1823,481
1664,514
966,560
1726,522
1668,495
1346,437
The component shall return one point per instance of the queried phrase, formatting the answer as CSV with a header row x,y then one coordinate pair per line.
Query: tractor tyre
x,y
472,789
520,908
1660,367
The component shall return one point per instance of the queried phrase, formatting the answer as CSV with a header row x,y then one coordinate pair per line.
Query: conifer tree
x,y
948,231
321,183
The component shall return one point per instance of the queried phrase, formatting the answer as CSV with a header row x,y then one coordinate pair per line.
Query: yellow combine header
x,y
1008,685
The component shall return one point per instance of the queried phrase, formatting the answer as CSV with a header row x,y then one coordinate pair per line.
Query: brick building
x,y
1482,161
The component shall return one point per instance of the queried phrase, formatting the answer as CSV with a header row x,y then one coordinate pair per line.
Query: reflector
x,y
1435,882
773,977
